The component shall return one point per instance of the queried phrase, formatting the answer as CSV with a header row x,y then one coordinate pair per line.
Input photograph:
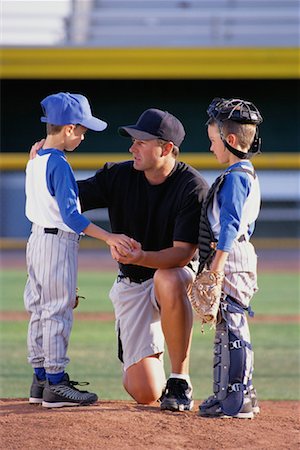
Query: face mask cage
x,y
234,109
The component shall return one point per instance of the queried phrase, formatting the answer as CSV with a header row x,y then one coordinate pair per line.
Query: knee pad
x,y
230,358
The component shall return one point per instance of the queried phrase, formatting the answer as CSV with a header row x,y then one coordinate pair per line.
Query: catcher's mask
x,y
239,111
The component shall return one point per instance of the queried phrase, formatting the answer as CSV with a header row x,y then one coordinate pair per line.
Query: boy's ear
x,y
231,139
69,129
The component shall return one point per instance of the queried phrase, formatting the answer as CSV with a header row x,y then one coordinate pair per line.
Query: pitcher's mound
x,y
123,425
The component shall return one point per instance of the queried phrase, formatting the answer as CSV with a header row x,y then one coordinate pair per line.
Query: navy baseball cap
x,y
65,108
155,124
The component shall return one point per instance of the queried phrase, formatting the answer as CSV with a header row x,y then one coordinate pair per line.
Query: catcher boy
x,y
227,272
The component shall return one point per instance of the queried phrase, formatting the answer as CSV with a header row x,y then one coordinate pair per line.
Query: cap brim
x,y
135,133
94,124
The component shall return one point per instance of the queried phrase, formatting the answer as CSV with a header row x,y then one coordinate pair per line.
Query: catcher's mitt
x,y
205,295
78,297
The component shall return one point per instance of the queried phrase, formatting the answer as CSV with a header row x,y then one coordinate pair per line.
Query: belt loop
x,y
120,277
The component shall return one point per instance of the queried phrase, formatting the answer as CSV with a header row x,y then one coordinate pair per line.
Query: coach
x,y
156,200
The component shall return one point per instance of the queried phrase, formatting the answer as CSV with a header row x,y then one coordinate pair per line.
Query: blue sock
x,y
55,378
40,373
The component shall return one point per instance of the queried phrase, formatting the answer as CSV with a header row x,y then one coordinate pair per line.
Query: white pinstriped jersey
x,y
52,193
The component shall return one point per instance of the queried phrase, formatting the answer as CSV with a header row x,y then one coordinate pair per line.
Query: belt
x,y
121,277
64,234
37,229
51,230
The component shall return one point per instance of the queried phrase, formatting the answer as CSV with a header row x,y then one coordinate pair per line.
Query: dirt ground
x,y
122,425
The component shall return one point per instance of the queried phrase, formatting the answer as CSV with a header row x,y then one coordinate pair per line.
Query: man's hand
x,y
135,256
35,148
122,244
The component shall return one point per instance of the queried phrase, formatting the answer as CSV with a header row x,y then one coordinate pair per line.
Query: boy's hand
x,y
121,243
77,298
35,148
134,256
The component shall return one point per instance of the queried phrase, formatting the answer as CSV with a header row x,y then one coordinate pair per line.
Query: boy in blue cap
x,y
53,207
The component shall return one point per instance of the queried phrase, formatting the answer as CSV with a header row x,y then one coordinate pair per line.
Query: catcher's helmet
x,y
239,111
234,109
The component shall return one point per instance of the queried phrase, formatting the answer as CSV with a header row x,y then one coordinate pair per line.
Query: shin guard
x,y
230,356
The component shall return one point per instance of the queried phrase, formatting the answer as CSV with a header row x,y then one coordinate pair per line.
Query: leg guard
x,y
221,361
234,399
232,361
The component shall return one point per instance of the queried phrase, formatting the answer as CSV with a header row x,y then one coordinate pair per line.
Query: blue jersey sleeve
x,y
61,183
231,199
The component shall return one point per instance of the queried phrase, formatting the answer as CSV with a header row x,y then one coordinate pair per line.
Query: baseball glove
x,y
77,299
205,295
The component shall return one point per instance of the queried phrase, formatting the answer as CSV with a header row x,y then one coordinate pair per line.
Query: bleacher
x,y
186,23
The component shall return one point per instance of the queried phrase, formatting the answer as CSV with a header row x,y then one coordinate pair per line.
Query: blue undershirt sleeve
x,y
231,199
61,183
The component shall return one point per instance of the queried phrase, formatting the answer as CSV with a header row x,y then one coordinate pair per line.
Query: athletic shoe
x,y
65,394
211,408
253,396
177,396
36,390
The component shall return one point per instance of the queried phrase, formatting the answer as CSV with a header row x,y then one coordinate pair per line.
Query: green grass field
x,y
93,344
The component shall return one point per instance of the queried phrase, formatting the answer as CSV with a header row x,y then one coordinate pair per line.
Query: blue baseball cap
x,y
65,108
155,124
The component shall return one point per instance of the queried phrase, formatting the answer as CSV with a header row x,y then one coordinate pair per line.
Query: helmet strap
x,y
235,152
254,149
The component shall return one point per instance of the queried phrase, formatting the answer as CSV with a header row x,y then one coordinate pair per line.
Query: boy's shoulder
x,y
238,177
54,157
240,170
53,161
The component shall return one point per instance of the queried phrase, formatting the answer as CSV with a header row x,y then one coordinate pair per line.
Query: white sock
x,y
181,376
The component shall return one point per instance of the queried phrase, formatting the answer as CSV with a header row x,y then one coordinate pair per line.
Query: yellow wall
x,y
152,63
266,161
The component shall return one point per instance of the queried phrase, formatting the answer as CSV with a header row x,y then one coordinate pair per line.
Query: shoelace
x,y
78,383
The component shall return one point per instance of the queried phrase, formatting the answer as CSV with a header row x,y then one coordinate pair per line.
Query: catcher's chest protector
x,y
207,242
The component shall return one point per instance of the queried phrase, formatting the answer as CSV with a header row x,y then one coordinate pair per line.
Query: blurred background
x,y
130,55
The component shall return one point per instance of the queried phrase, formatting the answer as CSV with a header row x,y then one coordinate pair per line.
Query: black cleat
x,y
36,390
65,394
177,396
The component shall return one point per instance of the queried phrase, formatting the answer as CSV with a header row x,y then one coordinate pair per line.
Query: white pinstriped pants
x,y
49,296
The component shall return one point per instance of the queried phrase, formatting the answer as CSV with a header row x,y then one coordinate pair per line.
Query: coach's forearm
x,y
177,256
